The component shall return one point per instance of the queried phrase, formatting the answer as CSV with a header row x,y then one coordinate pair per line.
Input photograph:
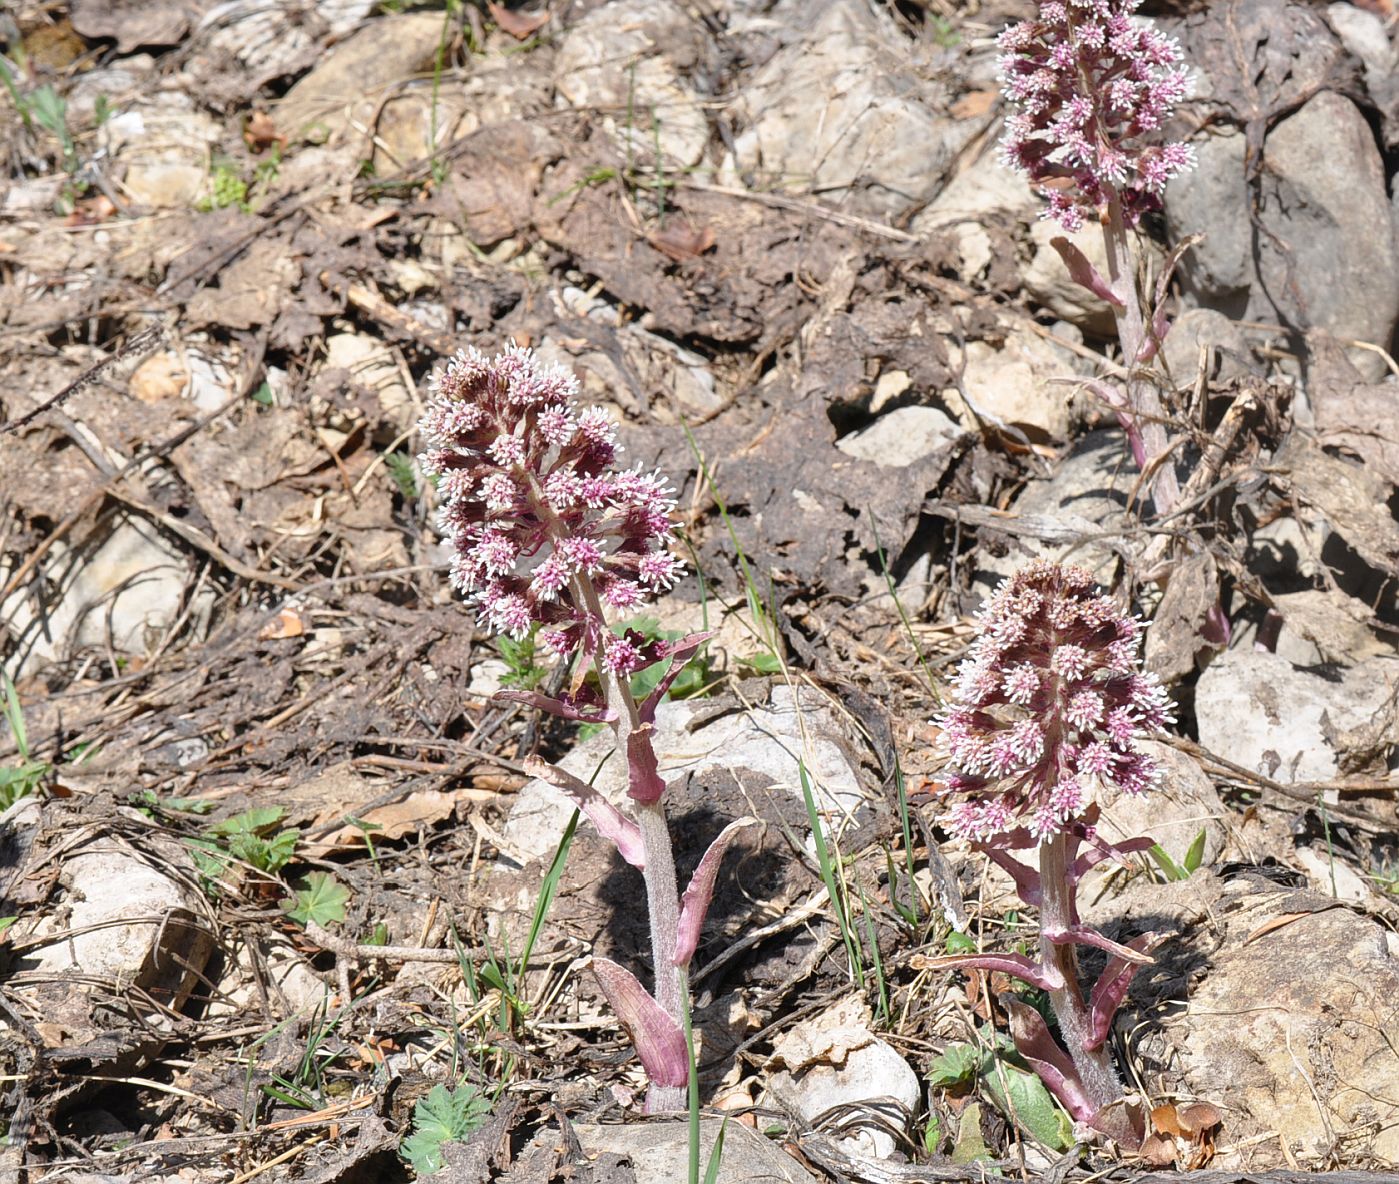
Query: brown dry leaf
x,y
251,290
682,242
1165,1121
1158,1150
287,623
1273,924
975,103
493,198
260,132
520,25
324,802
161,376
421,809
1177,630
91,211
1198,1117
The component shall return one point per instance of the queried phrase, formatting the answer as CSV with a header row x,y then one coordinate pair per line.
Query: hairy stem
x,y
1143,398
662,891
1096,1072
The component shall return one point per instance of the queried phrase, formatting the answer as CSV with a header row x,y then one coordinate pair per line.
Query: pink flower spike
x,y
695,903
659,1042
624,834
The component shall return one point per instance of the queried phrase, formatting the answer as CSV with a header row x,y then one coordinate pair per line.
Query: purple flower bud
x,y
1090,82
543,525
1048,708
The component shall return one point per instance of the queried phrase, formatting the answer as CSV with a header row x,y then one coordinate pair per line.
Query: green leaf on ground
x,y
319,898
444,1116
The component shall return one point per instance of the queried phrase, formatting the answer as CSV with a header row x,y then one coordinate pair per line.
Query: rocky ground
x,y
271,875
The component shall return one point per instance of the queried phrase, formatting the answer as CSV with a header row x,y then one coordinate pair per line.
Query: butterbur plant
x,y
549,532
1047,713
1091,86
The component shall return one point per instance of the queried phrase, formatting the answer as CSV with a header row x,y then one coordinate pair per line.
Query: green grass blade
x,y
899,608
548,890
1196,854
833,887
716,1155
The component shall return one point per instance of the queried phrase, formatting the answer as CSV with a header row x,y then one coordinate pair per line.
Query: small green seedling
x,y
1174,871
403,474
319,898
1004,1078
250,837
444,1116
522,657
21,780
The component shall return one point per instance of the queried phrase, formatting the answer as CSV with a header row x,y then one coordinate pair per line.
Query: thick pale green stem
x,y
1096,1072
1143,398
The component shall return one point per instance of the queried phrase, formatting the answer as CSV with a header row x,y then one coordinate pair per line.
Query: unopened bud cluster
x,y
1048,707
1091,84
546,529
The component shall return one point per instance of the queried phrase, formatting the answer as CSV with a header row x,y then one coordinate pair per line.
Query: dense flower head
x,y
1090,84
1048,707
545,527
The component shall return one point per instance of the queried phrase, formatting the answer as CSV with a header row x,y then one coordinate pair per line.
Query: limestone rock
x,y
902,437
1287,1030
1325,250
833,1065
623,59
658,1152
383,52
840,111
1012,385
1289,723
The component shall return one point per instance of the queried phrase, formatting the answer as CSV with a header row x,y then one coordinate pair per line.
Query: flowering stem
x,y
662,890
1097,1076
1146,415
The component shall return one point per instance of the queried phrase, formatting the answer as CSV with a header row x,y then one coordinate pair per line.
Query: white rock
x,y
1325,253
123,919
1258,710
983,190
841,112
285,972
659,1151
371,364
834,1063
619,60
358,70
1012,385
486,677
1198,327
887,387
1175,814
1288,1028
902,437
164,142
1333,876
125,594
1363,34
